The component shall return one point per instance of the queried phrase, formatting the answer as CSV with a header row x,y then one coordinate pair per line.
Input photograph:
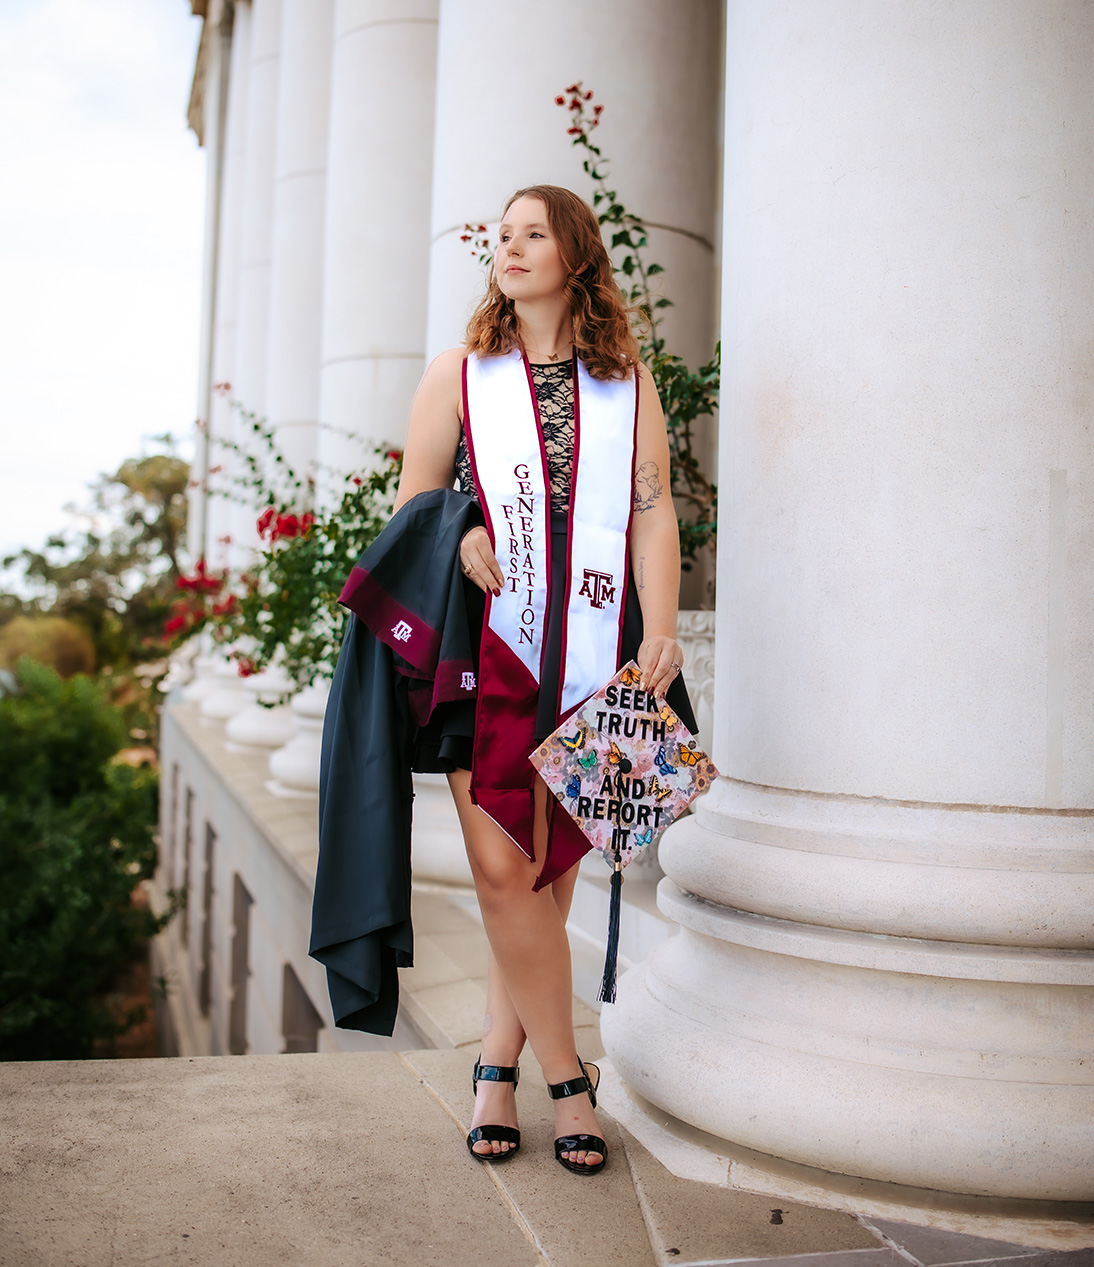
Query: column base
x,y
692,1154
938,1065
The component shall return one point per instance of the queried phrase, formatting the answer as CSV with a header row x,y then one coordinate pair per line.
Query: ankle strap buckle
x,y
496,1073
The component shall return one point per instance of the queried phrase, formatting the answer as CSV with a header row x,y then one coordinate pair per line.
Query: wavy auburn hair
x,y
602,332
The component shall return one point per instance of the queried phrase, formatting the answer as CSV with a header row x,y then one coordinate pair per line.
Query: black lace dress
x,y
555,396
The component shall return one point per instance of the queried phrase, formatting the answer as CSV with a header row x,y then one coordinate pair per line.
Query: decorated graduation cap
x,y
624,766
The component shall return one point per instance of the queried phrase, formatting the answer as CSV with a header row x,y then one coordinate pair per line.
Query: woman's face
x,y
528,264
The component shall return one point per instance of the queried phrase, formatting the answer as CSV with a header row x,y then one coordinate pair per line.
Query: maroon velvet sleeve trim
x,y
390,621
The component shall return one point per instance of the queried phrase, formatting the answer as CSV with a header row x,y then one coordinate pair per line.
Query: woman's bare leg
x,y
527,934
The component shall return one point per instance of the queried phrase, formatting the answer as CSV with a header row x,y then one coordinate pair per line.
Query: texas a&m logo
x,y
401,632
467,682
597,588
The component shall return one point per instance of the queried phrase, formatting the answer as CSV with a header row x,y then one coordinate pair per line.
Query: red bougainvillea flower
x,y
573,131
265,520
465,237
598,110
306,521
560,101
246,667
202,580
173,625
223,606
358,480
393,455
286,526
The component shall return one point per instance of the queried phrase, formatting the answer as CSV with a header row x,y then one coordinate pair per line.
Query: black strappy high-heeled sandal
x,y
494,1134
579,1143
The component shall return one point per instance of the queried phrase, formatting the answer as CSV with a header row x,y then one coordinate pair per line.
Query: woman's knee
x,y
502,882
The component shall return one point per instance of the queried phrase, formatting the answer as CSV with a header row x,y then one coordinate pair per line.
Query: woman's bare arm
x,y
429,457
433,428
655,543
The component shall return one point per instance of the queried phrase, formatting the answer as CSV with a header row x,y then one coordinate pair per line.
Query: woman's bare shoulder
x,y
446,366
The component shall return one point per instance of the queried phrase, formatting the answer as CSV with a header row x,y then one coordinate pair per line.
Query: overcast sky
x,y
101,204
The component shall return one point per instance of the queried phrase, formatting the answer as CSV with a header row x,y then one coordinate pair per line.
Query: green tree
x,y
76,836
116,573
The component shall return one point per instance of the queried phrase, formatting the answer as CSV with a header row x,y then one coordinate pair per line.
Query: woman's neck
x,y
545,329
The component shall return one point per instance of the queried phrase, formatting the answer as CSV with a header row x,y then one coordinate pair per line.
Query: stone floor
x,y
358,1158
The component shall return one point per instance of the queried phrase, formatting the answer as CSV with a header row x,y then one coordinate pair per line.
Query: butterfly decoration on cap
x,y
624,766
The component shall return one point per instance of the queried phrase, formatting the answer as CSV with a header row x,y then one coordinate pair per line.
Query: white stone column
x,y
655,69
296,268
208,115
377,222
884,967
221,515
248,377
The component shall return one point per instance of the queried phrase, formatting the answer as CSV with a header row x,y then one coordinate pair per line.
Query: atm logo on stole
x,y
598,588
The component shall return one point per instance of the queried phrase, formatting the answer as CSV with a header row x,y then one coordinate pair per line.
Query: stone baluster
x,y
265,722
295,767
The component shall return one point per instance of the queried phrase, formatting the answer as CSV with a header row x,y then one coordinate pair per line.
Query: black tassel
x,y
607,982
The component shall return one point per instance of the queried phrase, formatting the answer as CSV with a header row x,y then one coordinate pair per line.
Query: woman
x,y
553,303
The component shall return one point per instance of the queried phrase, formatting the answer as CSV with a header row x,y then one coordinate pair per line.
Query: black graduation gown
x,y
361,927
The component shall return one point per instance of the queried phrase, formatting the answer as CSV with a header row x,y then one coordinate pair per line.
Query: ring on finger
x,y
677,667
467,569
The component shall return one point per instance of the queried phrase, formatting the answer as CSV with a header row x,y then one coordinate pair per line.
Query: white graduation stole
x,y
505,444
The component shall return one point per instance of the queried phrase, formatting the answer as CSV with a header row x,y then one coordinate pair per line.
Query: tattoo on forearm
x,y
647,486
642,572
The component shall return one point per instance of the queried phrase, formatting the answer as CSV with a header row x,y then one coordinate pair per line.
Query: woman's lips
x,y
514,268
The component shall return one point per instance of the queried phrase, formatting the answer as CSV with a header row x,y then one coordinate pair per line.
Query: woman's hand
x,y
660,660
478,561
